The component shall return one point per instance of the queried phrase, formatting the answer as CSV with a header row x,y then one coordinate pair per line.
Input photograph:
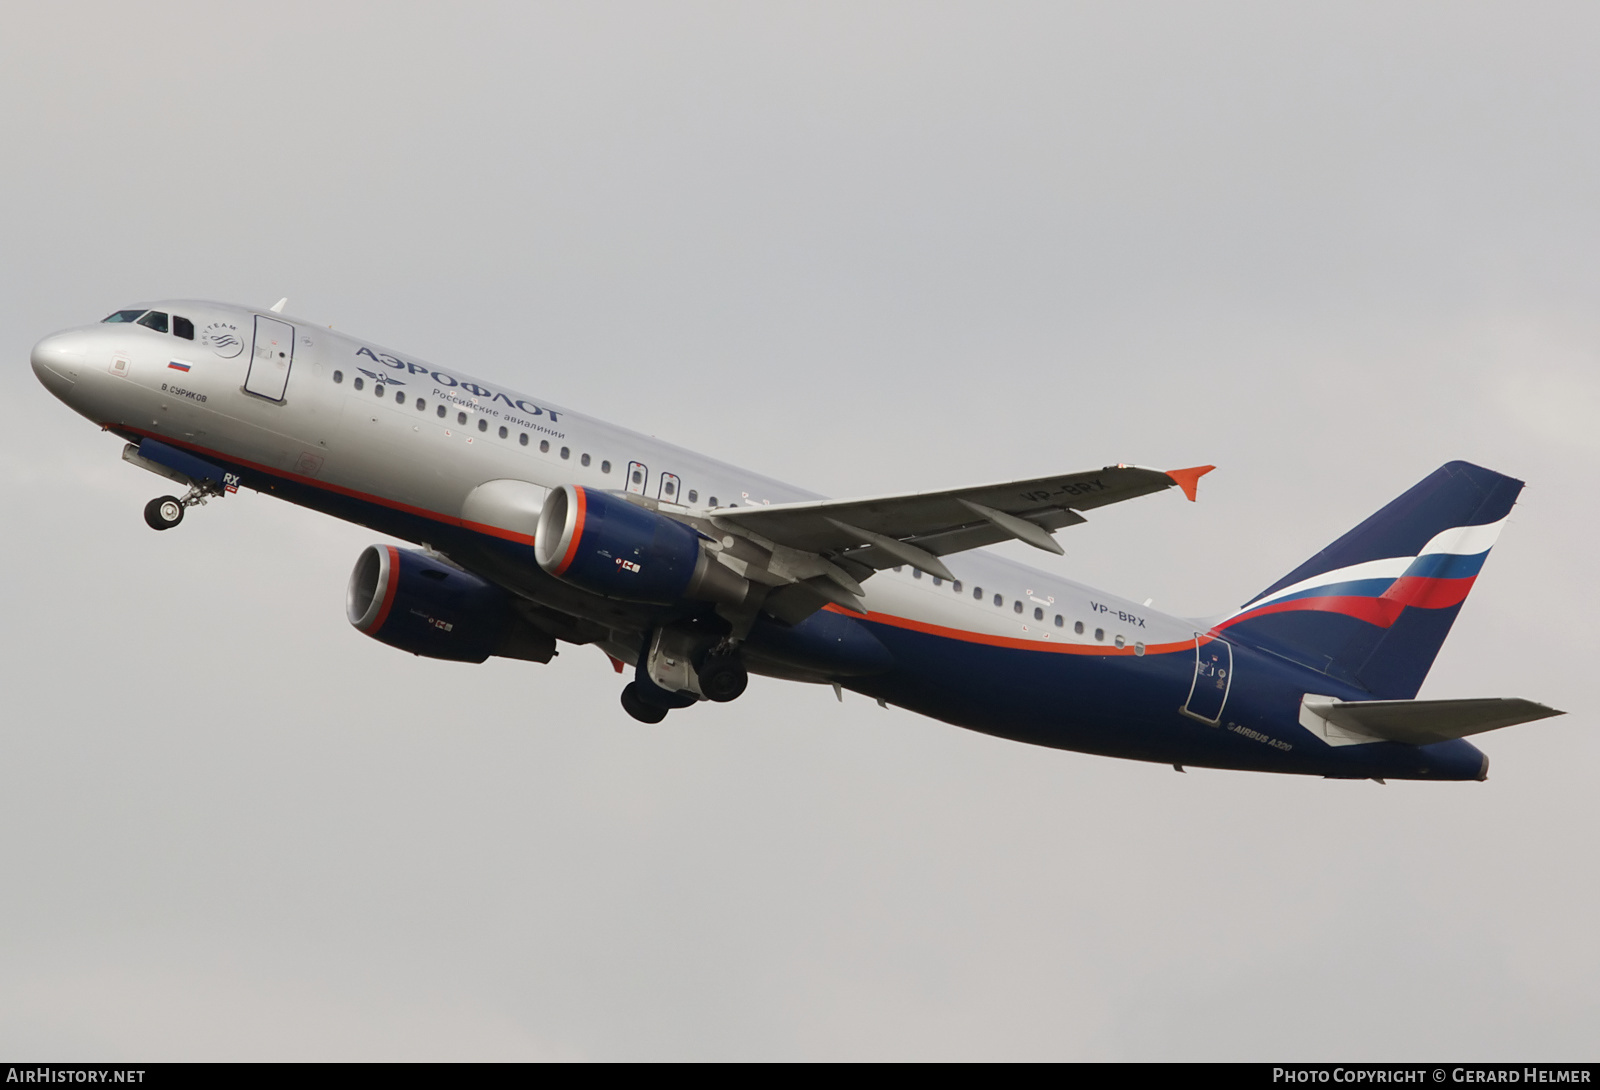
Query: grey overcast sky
x,y
862,247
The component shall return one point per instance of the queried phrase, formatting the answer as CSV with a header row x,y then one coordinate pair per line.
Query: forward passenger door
x,y
271,359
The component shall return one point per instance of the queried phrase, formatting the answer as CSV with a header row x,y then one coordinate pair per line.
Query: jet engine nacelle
x,y
607,545
417,603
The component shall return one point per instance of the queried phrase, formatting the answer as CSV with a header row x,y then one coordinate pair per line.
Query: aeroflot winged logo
x,y
1376,591
444,378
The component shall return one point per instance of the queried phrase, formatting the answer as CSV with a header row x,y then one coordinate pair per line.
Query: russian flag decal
x,y
176,366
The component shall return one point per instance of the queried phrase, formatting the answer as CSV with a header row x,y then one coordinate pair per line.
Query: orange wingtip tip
x,y
1189,479
616,663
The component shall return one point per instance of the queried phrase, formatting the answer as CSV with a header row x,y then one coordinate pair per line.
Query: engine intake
x,y
412,601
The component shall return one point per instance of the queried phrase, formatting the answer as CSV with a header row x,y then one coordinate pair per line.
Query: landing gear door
x,y
638,477
1213,676
271,359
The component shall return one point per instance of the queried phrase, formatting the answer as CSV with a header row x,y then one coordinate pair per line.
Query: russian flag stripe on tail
x,y
1373,608
1446,566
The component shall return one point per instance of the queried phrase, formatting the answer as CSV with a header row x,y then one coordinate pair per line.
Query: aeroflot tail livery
x,y
538,525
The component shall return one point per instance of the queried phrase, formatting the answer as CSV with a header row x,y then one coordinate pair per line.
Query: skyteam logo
x,y
1377,591
223,338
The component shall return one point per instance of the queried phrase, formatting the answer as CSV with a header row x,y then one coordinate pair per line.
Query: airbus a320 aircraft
x,y
540,525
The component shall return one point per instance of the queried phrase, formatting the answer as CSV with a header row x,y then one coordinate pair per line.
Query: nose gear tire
x,y
163,512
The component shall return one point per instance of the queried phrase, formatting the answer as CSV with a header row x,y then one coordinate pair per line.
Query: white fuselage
x,y
359,420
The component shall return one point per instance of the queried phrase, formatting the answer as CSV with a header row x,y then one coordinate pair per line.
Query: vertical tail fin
x,y
1373,608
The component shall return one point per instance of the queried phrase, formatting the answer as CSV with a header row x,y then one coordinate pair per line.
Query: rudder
x,y
1373,608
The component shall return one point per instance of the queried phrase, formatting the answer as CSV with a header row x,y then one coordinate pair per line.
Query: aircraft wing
x,y
916,528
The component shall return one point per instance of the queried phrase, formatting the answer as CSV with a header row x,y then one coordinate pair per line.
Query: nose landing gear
x,y
165,512
165,460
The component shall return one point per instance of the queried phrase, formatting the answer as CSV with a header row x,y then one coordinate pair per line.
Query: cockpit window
x,y
125,316
182,327
156,320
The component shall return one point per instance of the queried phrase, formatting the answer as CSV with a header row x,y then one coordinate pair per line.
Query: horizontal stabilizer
x,y
1412,722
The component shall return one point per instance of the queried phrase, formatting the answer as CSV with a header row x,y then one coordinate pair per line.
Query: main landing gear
x,y
723,677
677,670
165,512
649,703
636,705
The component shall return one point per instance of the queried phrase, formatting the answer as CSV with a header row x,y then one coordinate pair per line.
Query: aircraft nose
x,y
57,360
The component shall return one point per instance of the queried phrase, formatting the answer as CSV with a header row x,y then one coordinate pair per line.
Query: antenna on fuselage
x,y
277,308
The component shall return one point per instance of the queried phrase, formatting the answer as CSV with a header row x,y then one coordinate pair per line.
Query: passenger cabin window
x,y
523,438
483,423
584,459
400,398
605,467
338,377
503,431
461,418
182,327
544,446
566,452
156,320
694,496
358,383
441,412
421,405
1078,628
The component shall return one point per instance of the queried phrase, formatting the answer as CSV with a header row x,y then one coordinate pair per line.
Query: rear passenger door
x,y
1213,670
